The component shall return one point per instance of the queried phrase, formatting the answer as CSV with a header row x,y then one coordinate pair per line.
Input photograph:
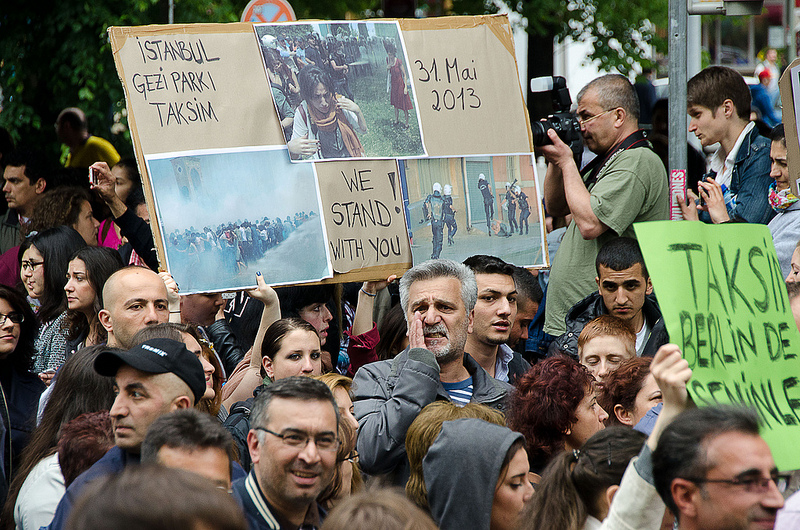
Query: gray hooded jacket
x,y
461,471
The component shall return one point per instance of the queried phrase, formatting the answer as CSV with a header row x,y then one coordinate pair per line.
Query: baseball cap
x,y
157,356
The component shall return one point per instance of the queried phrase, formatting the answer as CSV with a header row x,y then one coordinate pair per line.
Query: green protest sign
x,y
724,303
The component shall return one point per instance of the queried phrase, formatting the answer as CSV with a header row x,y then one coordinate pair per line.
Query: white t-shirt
x,y
724,168
641,338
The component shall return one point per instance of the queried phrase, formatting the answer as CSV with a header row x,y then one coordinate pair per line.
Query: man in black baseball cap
x,y
152,379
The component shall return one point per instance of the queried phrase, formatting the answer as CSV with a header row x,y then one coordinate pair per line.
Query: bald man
x,y
133,297
72,129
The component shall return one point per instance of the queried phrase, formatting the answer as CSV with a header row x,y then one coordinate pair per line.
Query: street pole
x,y
678,20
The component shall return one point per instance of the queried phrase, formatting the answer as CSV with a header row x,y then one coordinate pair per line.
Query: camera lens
x,y
539,130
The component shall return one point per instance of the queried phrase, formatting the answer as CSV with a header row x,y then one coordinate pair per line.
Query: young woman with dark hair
x,y
19,388
43,264
87,273
34,492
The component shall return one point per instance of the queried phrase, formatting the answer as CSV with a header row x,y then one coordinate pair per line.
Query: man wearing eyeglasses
x,y
292,443
626,183
714,471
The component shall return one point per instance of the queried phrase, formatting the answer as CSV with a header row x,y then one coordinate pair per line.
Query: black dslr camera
x,y
562,120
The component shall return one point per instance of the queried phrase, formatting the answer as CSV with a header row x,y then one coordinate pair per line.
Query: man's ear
x,y
623,416
471,321
728,108
649,289
684,494
181,402
253,446
597,281
105,320
620,117
40,186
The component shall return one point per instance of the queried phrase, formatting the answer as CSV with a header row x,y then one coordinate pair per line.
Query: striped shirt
x,y
461,392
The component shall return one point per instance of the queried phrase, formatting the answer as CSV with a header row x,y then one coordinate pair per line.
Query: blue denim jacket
x,y
750,180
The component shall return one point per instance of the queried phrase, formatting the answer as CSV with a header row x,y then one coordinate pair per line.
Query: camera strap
x,y
634,140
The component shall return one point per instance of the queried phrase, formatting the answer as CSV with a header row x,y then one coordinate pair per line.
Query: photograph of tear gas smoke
x,y
459,207
227,214
342,90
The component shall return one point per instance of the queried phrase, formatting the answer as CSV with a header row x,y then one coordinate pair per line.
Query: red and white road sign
x,y
260,11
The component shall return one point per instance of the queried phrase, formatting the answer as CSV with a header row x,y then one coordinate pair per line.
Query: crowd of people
x,y
310,79
234,245
487,395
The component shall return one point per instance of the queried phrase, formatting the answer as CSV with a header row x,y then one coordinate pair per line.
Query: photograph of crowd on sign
x,y
458,207
227,214
342,90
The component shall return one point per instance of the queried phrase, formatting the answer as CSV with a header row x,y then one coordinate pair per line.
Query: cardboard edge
x,y
790,124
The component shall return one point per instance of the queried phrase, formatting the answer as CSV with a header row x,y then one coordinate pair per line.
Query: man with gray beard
x,y
437,297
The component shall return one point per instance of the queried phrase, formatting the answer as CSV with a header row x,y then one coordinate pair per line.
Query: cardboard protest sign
x,y
218,233
366,105
724,303
363,209
790,97
200,94
465,78
459,207
190,87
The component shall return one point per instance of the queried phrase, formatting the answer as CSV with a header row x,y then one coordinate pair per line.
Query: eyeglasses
x,y
751,483
584,121
15,318
299,439
29,265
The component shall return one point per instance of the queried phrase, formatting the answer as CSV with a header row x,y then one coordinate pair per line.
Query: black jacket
x,y
592,307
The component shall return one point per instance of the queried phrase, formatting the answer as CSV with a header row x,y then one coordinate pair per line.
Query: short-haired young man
x,y
719,107
151,379
529,296
494,318
604,344
624,291
714,471
191,440
292,442
25,179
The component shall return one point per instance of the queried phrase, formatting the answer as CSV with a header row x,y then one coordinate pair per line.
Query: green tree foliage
x,y
55,55
619,29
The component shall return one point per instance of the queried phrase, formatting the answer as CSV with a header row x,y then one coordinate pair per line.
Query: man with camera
x,y
626,183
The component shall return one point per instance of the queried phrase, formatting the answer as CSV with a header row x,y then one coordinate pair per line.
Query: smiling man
x,y
714,471
151,380
437,297
292,443
624,291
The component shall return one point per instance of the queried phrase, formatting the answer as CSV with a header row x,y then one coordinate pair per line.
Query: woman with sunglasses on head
x,y
20,388
44,257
